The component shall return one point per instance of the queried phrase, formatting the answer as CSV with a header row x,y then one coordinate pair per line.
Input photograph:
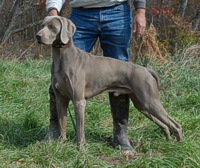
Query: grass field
x,y
24,119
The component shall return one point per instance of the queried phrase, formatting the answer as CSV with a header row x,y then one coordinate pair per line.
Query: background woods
x,y
172,25
21,19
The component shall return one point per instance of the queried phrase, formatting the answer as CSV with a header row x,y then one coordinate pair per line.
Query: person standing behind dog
x,y
111,22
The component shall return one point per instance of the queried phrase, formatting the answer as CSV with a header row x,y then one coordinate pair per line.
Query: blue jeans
x,y
112,25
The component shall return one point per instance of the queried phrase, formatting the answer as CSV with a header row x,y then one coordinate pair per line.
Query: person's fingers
x,y
140,31
139,24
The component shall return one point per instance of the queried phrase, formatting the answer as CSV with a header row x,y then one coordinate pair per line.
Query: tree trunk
x,y
196,21
182,7
7,12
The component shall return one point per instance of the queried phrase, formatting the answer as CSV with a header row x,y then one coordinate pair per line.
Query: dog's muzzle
x,y
39,39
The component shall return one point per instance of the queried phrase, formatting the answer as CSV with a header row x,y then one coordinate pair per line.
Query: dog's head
x,y
55,29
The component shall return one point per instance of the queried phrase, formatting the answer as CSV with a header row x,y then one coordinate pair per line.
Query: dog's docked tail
x,y
155,77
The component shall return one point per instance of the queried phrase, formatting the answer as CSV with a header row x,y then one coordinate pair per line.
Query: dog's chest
x,y
62,85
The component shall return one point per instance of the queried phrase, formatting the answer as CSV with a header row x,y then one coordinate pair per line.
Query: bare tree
x,y
196,21
182,7
7,12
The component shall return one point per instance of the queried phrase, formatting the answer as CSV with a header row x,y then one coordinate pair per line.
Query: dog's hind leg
x,y
179,132
155,109
138,105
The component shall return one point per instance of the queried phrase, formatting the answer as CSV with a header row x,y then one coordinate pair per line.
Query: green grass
x,y
24,119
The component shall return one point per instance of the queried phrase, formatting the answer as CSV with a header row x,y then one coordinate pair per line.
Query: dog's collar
x,y
58,44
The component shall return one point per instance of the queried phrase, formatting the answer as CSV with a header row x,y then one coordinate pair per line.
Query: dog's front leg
x,y
61,105
79,112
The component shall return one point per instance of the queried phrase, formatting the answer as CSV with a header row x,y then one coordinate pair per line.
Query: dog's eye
x,y
51,26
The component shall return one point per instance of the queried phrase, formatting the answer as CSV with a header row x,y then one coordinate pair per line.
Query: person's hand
x,y
53,12
139,23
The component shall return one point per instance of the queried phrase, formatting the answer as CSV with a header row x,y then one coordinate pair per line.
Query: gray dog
x,y
77,75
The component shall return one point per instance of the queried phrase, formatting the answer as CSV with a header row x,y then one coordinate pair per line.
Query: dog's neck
x,y
64,52
63,55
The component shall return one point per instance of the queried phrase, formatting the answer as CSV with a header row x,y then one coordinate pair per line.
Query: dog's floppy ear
x,y
67,30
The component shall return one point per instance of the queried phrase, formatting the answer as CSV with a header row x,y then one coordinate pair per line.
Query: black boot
x,y
54,131
120,113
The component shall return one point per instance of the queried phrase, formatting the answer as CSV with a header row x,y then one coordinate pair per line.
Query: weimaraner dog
x,y
77,75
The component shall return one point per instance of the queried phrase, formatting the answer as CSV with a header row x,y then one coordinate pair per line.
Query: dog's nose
x,y
38,37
